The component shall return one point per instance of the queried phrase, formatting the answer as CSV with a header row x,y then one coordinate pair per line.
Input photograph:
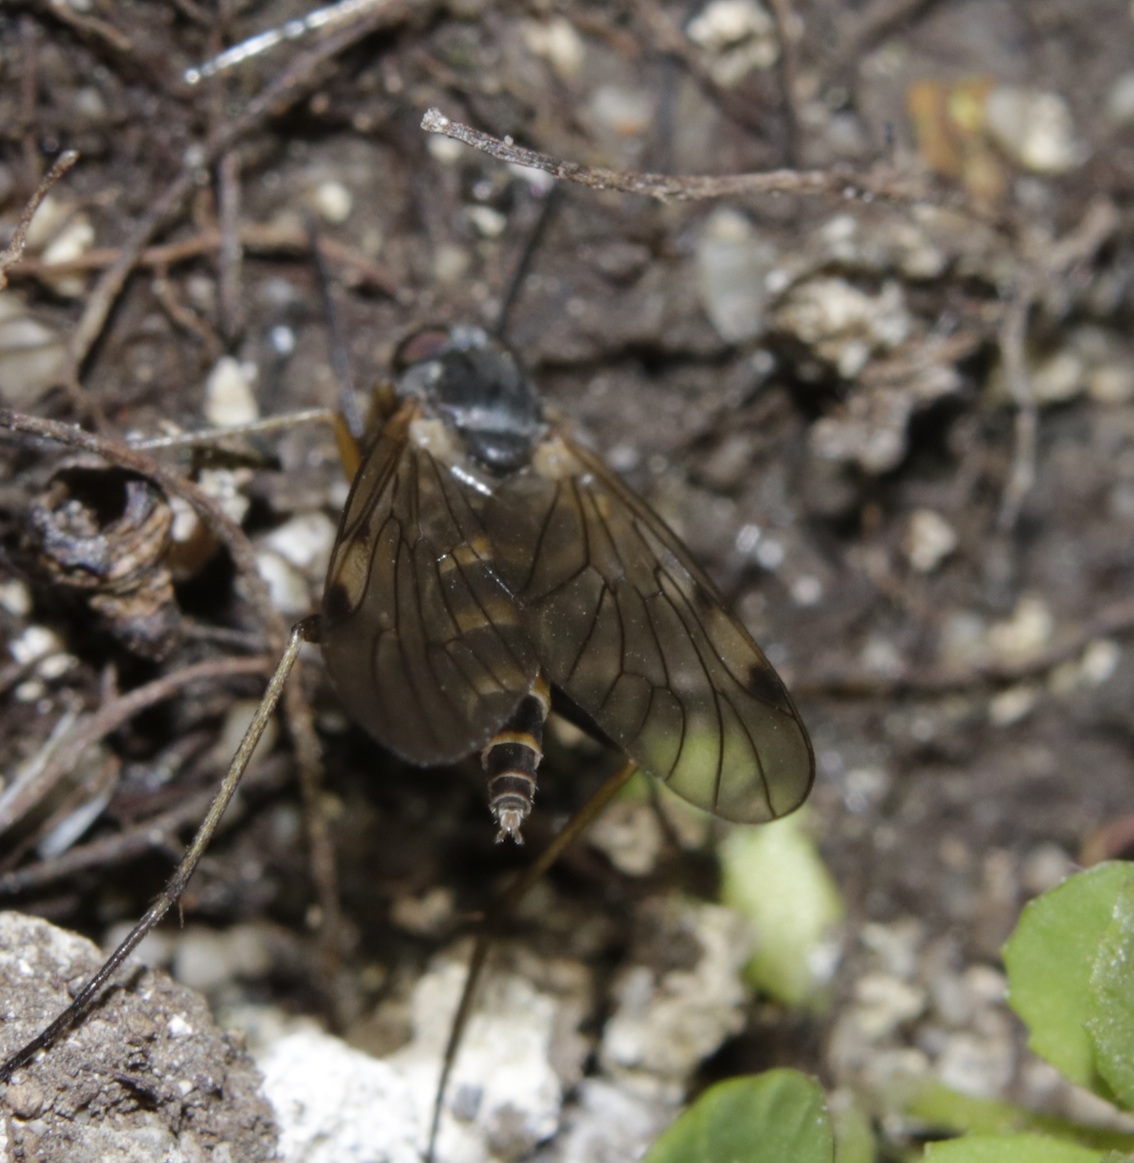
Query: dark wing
x,y
421,640
632,631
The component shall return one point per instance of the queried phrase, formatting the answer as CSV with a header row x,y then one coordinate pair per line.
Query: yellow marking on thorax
x,y
554,459
435,438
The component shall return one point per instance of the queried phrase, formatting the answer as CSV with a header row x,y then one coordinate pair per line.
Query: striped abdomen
x,y
512,758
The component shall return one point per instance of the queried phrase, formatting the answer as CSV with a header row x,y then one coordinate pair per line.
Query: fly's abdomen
x,y
512,759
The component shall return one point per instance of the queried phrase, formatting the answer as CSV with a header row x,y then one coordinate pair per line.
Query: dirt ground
x,y
897,428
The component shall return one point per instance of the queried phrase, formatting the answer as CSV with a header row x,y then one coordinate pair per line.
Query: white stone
x,y
15,597
843,324
621,110
31,354
737,35
335,1104
1034,128
929,540
204,959
35,643
558,42
733,263
1012,705
229,397
664,1025
503,1097
304,542
75,237
290,591
333,202
1025,634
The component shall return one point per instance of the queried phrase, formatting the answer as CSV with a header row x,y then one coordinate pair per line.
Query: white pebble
x,y
733,264
15,597
333,202
1025,634
35,643
289,589
929,540
737,35
1034,128
31,354
334,1103
229,398
843,324
1012,705
304,542
74,239
557,41
625,112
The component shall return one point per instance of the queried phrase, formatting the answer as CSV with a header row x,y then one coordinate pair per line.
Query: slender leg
x,y
516,892
86,997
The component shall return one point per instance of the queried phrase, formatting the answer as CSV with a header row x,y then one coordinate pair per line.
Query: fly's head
x,y
473,384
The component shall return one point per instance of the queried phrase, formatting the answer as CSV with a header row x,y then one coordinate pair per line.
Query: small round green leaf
x,y
762,1118
1009,1149
1111,1023
776,878
1050,959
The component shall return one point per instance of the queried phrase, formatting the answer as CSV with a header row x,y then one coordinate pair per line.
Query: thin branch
x,y
14,251
668,188
109,717
257,239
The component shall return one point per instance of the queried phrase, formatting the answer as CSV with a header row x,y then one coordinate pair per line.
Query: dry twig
x,y
112,715
14,251
668,188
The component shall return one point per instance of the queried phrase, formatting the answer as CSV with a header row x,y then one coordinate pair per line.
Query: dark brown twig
x,y
14,251
667,188
155,833
230,255
109,717
91,28
261,240
1012,340
1052,263
787,69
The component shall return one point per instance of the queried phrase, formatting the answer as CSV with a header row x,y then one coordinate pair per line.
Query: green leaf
x,y
1111,1024
1009,1149
763,1118
936,1105
854,1135
775,877
1050,959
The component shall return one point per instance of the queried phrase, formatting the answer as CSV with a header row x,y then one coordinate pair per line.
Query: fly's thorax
x,y
554,459
472,384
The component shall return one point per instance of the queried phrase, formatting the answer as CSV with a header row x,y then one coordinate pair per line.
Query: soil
x,y
897,430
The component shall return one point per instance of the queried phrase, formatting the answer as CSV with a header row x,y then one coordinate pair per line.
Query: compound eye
x,y
422,345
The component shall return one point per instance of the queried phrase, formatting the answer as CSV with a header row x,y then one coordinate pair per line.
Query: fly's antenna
x,y
550,203
340,359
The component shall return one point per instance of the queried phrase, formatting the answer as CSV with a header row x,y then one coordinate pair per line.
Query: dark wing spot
x,y
765,684
336,603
